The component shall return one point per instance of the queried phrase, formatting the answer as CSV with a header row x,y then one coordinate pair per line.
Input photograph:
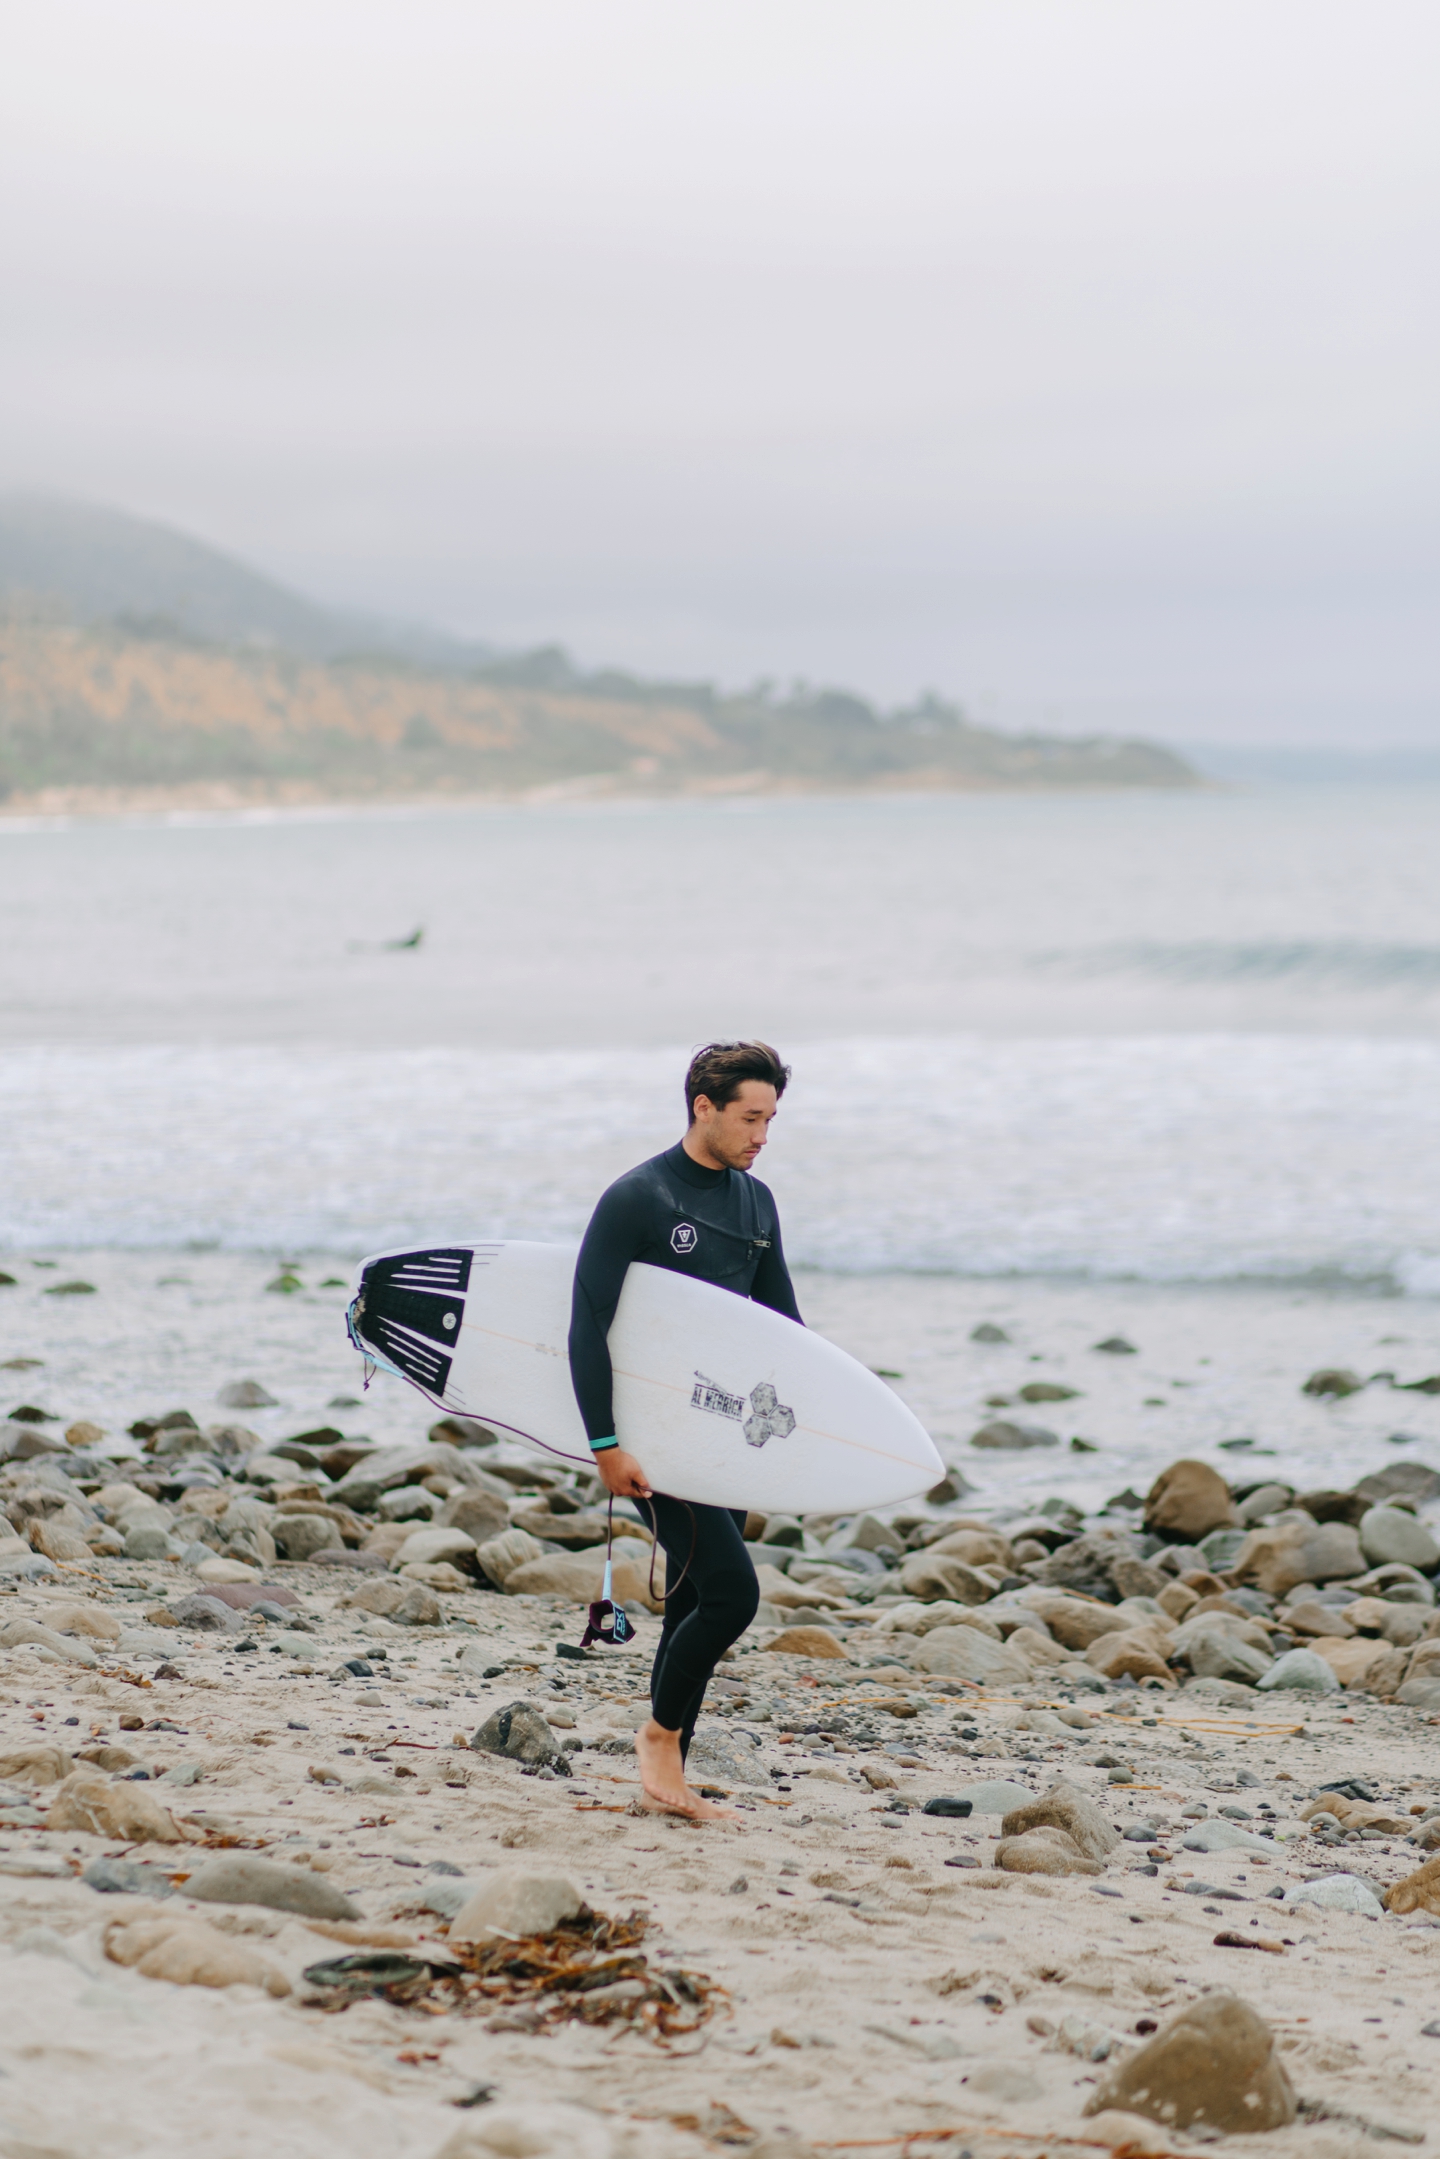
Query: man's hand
x,y
621,1474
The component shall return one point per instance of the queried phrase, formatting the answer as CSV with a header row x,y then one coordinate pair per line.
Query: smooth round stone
x,y
1389,1533
1339,1893
147,1541
996,1796
1301,1670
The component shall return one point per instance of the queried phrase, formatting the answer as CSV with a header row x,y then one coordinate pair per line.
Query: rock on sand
x,y
1187,1501
517,1904
89,1802
240,1878
1214,2063
1065,1808
189,1953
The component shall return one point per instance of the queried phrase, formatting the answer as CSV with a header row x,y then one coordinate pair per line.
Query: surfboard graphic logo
x,y
709,1395
769,1417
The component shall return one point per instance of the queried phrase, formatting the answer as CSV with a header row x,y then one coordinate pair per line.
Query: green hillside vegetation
x,y
131,658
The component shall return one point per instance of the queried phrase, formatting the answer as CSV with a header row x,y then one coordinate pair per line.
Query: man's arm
x,y
772,1284
614,1238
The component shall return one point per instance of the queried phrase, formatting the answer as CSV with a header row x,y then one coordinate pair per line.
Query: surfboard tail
x,y
407,1313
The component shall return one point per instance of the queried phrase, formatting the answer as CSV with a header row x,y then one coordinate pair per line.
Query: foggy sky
x,y
1074,357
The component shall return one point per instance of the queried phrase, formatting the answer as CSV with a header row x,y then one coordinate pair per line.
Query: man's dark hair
x,y
721,1069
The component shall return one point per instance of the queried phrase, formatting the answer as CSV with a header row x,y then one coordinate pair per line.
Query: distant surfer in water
x,y
696,1210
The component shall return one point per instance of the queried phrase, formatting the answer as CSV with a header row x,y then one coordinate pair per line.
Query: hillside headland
x,y
139,668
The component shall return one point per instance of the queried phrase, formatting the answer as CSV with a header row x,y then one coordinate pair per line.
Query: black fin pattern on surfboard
x,y
410,1308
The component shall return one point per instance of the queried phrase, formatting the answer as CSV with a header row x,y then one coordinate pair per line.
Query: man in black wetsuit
x,y
696,1210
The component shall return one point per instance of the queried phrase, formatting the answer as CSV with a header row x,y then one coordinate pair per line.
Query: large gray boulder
x,y
1215,1646
425,1546
301,1536
1409,1480
1388,1534
1219,1655
388,1468
1187,1501
22,1442
502,1556
1299,1550
1087,1563
405,1604
478,1515
929,1578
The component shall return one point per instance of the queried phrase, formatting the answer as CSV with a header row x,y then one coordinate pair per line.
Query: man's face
x,y
734,1135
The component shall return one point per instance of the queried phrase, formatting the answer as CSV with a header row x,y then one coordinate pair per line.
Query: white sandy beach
x,y
871,1991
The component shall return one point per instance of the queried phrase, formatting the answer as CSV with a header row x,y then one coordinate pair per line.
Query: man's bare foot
x,y
696,1809
662,1774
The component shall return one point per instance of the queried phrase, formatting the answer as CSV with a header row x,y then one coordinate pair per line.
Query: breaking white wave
x,y
1163,1158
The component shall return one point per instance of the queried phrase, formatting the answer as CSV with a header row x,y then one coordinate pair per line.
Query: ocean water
x,y
1148,1038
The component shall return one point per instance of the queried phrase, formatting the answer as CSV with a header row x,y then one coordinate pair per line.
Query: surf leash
x,y
609,1622
371,1361
662,1596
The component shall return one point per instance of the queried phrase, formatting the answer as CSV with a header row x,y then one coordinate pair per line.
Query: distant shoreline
x,y
599,790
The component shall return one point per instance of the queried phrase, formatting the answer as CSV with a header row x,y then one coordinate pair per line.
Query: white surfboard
x,y
721,1400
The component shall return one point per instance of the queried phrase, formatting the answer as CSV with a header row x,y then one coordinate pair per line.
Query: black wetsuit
x,y
718,1226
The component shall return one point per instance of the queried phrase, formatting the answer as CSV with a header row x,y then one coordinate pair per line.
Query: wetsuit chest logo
x,y
684,1237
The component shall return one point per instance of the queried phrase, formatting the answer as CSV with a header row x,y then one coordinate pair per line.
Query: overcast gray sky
x,y
1075,357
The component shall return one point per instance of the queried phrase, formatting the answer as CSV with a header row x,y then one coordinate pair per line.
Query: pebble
x,y
127,1877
